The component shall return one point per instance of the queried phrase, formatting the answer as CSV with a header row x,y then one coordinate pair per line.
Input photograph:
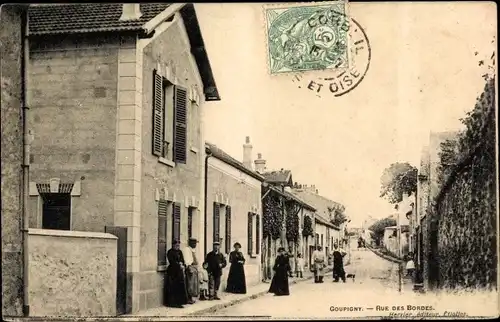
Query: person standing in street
x,y
291,260
175,293
279,283
300,266
338,264
215,263
318,259
192,280
236,282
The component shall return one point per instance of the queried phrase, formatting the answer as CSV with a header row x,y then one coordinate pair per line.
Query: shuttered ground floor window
x,y
253,234
166,210
56,212
228,229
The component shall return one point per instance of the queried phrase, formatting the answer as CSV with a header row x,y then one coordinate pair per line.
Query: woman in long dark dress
x,y
236,282
175,292
279,283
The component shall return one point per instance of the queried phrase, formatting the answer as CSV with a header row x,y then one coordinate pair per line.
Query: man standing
x,y
338,264
192,281
214,263
318,259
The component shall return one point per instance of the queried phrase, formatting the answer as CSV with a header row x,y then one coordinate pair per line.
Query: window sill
x,y
253,255
193,149
161,268
167,162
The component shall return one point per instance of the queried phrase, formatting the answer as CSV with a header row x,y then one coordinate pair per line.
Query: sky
x,y
423,76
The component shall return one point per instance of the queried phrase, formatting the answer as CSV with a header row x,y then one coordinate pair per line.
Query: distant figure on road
x,y
279,284
338,264
214,262
236,282
300,266
175,293
318,259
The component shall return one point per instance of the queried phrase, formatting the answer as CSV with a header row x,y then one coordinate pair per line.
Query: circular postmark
x,y
307,38
343,78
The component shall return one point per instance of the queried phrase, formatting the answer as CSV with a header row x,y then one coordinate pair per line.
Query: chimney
x,y
130,11
247,153
260,164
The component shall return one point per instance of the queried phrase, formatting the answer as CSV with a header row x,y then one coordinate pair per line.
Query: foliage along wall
x,y
465,209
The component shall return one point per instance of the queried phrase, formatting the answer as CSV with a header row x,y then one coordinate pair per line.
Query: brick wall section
x,y
12,154
73,96
178,182
225,187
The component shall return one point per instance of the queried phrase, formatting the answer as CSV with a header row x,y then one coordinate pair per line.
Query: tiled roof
x,y
293,197
326,222
223,156
319,202
282,176
87,17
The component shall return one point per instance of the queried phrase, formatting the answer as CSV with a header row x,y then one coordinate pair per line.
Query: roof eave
x,y
199,52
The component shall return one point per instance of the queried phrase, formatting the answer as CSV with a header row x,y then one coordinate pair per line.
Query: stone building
x,y
234,210
117,94
13,22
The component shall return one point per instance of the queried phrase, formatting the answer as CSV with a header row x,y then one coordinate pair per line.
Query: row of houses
x,y
116,166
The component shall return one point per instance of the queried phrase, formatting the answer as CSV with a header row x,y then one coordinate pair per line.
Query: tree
x,y
397,179
378,228
337,215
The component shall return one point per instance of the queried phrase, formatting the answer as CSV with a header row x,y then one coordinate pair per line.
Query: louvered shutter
x,y
157,114
228,229
257,234
176,227
190,222
250,233
180,132
162,232
216,222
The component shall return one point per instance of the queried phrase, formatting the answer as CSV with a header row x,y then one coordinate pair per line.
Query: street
x,y
373,293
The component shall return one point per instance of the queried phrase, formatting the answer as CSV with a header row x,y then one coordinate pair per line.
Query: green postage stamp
x,y
307,37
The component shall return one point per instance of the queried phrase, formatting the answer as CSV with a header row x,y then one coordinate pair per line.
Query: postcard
x,y
249,161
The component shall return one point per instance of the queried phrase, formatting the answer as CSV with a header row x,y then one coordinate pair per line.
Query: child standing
x,y
203,283
300,266
410,265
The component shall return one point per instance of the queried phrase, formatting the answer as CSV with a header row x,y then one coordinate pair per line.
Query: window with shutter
x,y
158,115
162,232
257,234
180,126
176,222
216,235
228,229
250,233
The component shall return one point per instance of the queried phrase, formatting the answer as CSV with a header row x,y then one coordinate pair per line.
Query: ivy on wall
x,y
307,231
272,219
465,208
292,221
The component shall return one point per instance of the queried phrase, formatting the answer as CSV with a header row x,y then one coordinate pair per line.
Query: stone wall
x,y
12,156
72,273
73,95
466,211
